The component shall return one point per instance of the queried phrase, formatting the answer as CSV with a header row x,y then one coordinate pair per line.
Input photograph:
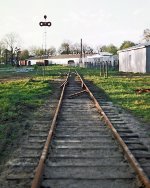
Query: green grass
x,y
9,72
17,99
120,88
16,95
27,90
20,93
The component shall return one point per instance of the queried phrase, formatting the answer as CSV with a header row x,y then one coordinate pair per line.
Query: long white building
x,y
65,59
71,59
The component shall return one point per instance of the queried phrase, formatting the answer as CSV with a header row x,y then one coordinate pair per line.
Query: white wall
x,y
64,61
56,61
33,61
133,60
109,59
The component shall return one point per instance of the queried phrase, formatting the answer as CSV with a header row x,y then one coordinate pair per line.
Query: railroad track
x,y
82,149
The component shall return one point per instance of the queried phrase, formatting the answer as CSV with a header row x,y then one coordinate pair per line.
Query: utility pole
x,y
81,52
45,24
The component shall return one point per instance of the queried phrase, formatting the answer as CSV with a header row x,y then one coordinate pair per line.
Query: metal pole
x,y
100,67
81,51
106,70
44,47
45,23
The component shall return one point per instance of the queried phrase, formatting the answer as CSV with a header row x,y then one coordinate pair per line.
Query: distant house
x,y
135,59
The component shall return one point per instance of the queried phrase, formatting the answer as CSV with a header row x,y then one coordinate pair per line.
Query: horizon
x,y
97,23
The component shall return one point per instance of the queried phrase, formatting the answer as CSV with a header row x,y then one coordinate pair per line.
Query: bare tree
x,y
51,50
36,51
87,49
64,48
146,35
75,48
2,51
11,41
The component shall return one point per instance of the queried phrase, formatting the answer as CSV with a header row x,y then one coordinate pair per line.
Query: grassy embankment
x,y
21,92
120,88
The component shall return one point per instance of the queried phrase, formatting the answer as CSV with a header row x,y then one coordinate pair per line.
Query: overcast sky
x,y
97,22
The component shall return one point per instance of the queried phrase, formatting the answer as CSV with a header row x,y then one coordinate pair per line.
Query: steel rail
x,y
39,170
132,160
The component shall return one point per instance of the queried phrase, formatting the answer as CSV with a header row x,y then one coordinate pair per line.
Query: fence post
x,y
106,69
100,67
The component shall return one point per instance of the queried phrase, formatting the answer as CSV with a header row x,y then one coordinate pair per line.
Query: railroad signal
x,y
45,23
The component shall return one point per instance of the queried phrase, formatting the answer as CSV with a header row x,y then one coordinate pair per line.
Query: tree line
x,y
11,53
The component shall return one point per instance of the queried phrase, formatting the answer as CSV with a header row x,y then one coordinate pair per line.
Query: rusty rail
x,y
132,160
39,170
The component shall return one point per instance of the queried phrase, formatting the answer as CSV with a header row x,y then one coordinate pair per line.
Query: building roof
x,y
138,46
105,54
101,54
62,56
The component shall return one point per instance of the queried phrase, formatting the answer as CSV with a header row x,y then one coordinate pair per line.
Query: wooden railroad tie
x,y
77,94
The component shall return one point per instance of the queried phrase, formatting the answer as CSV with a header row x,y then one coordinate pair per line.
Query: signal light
x,y
45,24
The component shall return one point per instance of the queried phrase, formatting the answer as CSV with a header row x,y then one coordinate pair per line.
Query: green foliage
x,y
126,44
110,48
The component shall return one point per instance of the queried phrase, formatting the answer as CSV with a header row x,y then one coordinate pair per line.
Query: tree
x,y
112,49
146,35
2,51
39,52
11,41
24,54
51,51
109,48
87,49
65,48
36,51
103,48
75,48
126,44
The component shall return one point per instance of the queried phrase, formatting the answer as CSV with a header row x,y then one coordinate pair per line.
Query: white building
x,y
72,59
111,59
102,56
65,59
135,59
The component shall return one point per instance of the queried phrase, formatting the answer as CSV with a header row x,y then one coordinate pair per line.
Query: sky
x,y
97,22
